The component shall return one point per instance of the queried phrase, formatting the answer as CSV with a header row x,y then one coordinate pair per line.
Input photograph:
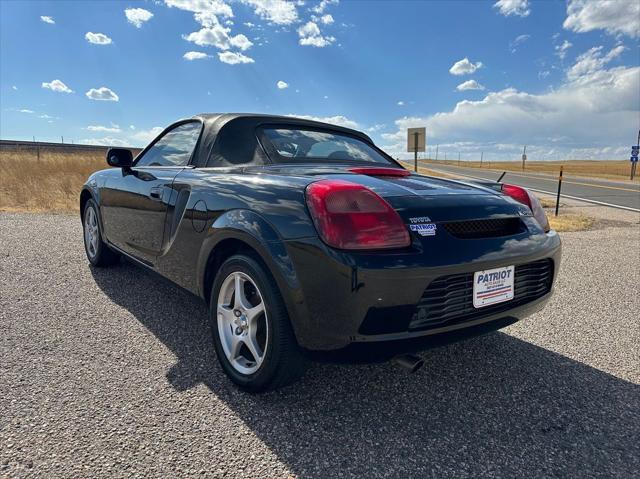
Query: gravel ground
x,y
110,373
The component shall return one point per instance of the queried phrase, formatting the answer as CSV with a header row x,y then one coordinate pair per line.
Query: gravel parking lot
x,y
110,373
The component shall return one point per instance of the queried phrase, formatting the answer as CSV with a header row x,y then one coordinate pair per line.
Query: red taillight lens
x,y
525,197
517,193
350,216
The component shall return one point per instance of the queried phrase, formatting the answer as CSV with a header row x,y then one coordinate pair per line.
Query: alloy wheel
x,y
91,235
242,323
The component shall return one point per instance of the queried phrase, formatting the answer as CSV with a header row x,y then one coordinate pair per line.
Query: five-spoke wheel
x,y
91,236
98,253
251,330
242,322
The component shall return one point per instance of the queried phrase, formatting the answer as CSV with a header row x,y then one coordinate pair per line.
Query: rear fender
x,y
252,229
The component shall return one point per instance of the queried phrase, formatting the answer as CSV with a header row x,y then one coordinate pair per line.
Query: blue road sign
x,y
634,159
634,150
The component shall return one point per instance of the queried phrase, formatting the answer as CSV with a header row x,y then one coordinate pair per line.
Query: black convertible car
x,y
303,236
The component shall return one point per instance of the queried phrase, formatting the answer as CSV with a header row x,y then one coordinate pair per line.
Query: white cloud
x,y
339,120
145,136
326,19
279,12
591,61
400,103
132,127
194,56
218,36
519,40
513,7
25,110
138,16
464,67
240,41
613,16
47,19
206,7
320,8
14,88
57,85
561,50
97,38
469,85
282,85
564,117
109,129
311,35
102,93
234,58
106,141
376,127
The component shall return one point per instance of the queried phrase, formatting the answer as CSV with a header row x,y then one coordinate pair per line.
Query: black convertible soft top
x,y
230,139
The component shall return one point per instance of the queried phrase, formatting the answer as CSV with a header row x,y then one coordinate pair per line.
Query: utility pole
x,y
62,139
524,156
458,158
481,156
437,151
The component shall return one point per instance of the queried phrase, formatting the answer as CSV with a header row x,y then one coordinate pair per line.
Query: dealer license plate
x,y
493,286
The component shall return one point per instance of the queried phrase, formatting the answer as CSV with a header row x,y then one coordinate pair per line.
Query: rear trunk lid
x,y
417,198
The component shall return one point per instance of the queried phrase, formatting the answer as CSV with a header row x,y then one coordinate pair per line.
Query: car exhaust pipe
x,y
409,362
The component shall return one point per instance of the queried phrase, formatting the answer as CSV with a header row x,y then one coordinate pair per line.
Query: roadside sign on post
x,y
416,141
634,157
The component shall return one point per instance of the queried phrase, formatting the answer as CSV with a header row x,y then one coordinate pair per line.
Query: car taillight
x,y
525,197
349,216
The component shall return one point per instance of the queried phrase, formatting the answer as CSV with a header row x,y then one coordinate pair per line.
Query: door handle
x,y
156,193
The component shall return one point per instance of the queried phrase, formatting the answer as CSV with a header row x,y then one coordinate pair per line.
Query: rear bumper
x,y
337,291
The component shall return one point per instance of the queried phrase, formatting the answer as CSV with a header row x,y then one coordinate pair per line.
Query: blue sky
x,y
561,77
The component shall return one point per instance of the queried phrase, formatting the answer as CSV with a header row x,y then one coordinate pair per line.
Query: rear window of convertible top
x,y
307,144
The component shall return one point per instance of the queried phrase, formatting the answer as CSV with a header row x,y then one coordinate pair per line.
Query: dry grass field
x,y
51,183
619,170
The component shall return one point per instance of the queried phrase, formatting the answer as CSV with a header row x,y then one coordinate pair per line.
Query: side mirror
x,y
119,157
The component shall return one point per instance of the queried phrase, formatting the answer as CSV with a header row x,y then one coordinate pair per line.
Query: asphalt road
x,y
111,373
613,193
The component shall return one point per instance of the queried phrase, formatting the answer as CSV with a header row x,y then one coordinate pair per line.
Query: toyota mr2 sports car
x,y
303,236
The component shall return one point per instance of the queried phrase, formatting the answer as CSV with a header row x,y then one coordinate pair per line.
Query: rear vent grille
x,y
489,228
449,299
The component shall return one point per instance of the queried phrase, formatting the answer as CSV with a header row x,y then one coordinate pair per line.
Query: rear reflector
x,y
373,171
350,216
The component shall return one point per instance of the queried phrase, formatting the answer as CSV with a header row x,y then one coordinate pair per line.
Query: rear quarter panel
x,y
210,205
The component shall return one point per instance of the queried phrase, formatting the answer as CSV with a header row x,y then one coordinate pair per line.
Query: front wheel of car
x,y
98,253
251,331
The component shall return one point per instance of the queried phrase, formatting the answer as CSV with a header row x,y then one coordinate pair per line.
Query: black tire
x,y
98,253
283,362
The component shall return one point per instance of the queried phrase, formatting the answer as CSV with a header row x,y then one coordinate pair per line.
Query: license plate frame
x,y
493,286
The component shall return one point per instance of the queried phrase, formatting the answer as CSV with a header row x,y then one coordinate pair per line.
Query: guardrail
x,y
17,145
